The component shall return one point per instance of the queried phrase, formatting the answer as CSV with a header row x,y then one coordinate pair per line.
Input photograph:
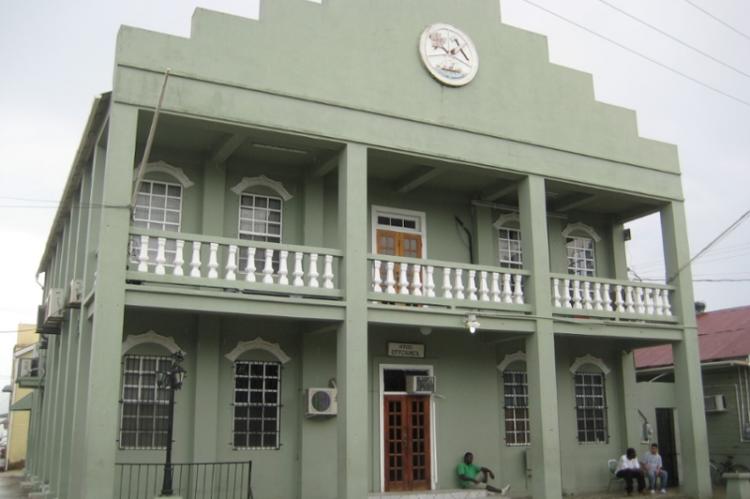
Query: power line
x,y
718,238
717,19
639,54
674,38
716,255
721,280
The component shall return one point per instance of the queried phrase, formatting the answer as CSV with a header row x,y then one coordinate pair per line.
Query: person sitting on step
x,y
471,476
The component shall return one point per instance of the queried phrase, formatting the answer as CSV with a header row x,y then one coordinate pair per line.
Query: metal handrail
x,y
204,480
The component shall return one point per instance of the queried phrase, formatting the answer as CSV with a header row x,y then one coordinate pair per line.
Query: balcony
x,y
411,281
232,265
592,297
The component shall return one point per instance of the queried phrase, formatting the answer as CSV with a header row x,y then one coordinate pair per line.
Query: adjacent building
x,y
383,234
25,378
724,342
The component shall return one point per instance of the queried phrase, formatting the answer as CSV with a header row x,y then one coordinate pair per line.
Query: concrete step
x,y
433,494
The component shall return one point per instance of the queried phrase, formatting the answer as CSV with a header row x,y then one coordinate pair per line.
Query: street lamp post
x,y
171,380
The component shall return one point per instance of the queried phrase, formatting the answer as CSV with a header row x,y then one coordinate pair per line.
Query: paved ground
x,y
10,485
10,489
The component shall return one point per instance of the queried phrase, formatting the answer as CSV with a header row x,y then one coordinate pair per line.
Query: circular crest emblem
x,y
448,54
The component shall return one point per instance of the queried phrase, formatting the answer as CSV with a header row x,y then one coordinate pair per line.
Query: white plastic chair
x,y
612,466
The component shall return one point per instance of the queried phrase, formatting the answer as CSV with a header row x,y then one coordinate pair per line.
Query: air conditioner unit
x,y
54,306
420,384
320,402
715,403
75,293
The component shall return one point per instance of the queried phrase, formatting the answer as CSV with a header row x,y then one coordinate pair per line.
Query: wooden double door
x,y
406,434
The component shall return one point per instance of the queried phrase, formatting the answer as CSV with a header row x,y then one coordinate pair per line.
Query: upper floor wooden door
x,y
395,243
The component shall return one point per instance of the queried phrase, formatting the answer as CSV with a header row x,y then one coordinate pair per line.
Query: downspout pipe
x,y
149,141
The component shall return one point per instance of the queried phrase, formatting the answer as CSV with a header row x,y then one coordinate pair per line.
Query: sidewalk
x,y
10,485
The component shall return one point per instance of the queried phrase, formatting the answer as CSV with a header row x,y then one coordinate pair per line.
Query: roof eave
x,y
97,118
718,364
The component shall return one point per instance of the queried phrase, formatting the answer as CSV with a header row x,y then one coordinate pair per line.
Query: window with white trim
x,y
581,257
509,246
157,206
260,220
591,407
144,408
398,222
257,403
516,394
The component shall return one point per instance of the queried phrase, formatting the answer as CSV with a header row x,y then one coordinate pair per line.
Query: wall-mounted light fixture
x,y
425,330
472,324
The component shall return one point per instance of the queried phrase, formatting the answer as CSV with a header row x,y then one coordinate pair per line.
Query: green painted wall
x,y
724,429
522,117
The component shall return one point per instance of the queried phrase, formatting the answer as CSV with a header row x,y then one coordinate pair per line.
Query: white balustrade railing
x,y
451,281
581,294
235,260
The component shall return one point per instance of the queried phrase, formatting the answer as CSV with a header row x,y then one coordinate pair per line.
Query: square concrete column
x,y
100,439
206,422
544,454
631,419
687,368
351,366
484,237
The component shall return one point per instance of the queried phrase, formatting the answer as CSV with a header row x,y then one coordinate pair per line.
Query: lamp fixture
x,y
425,330
472,324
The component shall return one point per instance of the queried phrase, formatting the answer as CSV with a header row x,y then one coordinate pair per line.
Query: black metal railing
x,y
230,480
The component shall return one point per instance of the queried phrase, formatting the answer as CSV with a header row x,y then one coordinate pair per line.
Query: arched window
x,y
158,205
515,399
144,405
591,399
257,369
510,252
260,215
580,246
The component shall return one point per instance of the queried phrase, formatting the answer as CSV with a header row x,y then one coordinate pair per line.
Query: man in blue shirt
x,y
654,470
471,476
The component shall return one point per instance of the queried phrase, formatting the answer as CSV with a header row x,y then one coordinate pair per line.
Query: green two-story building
x,y
383,234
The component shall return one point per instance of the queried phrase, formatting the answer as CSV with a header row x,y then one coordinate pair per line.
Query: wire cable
x,y
639,54
718,238
674,38
717,19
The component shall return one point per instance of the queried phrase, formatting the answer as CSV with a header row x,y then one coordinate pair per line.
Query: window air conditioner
x,y
75,292
420,384
715,403
320,402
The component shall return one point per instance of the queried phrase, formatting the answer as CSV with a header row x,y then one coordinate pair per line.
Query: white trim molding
x,y
264,181
505,220
173,171
581,227
376,210
589,359
134,340
258,344
519,356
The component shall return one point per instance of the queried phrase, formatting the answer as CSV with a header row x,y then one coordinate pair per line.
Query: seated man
x,y
471,476
652,461
629,468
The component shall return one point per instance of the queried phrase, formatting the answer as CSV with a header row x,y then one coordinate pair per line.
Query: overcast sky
x,y
56,56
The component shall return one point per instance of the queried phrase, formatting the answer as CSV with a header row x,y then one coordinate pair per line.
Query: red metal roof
x,y
722,334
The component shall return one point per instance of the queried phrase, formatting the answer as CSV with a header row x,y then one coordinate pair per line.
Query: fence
x,y
231,480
